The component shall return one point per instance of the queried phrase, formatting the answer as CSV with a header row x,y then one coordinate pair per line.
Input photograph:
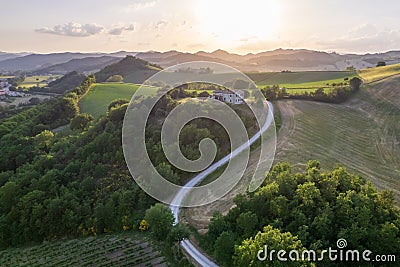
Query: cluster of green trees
x,y
310,210
57,185
129,66
191,134
17,80
75,183
337,94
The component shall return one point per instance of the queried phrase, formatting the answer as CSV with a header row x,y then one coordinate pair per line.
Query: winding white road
x,y
198,256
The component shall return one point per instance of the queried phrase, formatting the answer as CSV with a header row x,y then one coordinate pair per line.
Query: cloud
x,y
119,30
366,38
159,24
142,5
364,30
73,29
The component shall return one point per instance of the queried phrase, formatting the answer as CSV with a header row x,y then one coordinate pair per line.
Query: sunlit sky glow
x,y
191,25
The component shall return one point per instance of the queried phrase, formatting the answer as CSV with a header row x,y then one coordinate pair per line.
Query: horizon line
x,y
206,51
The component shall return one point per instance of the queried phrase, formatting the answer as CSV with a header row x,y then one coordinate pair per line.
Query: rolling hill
x,y
132,69
33,62
362,134
375,74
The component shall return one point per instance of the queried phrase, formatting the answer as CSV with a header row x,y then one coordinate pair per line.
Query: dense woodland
x,y
56,185
309,210
75,182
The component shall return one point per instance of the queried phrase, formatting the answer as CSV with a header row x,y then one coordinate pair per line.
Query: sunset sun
x,y
238,20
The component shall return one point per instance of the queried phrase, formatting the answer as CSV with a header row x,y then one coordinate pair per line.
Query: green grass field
x,y
301,80
108,250
6,77
362,135
100,95
375,74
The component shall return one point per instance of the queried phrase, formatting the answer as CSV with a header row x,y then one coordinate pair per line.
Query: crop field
x,y
362,135
109,250
32,81
100,95
376,74
6,77
306,79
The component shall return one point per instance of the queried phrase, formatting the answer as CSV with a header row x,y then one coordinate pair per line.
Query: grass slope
x,y
108,250
100,95
362,135
302,80
376,74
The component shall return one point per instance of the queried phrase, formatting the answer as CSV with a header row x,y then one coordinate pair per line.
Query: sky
x,y
46,26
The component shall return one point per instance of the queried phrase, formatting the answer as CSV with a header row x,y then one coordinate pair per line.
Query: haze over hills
x,y
276,60
81,65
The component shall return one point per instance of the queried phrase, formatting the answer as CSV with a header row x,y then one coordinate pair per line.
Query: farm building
x,y
2,94
233,97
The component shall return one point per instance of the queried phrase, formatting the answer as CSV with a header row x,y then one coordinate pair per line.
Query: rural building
x,y
2,94
233,97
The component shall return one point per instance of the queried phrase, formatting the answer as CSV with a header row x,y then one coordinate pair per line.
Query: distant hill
x,y
132,69
276,60
81,65
39,61
5,55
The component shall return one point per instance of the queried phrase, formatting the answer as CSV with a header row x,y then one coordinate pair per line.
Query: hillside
x,y
81,65
132,69
375,74
96,101
66,83
297,79
363,134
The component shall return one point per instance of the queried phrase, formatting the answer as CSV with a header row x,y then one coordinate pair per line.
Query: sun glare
x,y
232,20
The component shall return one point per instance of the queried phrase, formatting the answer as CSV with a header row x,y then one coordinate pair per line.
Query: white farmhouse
x,y
233,97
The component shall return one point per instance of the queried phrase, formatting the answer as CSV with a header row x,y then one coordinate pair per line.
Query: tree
x,y
274,239
81,121
116,114
178,233
143,225
355,83
160,219
115,79
44,139
34,100
247,223
204,94
116,103
224,248
381,64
